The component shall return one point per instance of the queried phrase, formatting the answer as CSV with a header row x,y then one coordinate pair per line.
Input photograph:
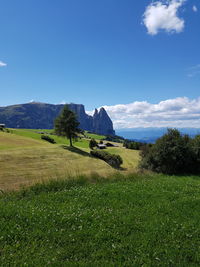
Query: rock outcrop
x,y
102,121
41,116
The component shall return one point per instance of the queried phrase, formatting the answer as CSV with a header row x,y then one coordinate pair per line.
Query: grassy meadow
x,y
137,220
75,210
95,136
26,159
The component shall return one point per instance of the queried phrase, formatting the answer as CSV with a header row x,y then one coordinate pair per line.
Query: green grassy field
x,y
95,136
140,220
11,141
26,159
35,134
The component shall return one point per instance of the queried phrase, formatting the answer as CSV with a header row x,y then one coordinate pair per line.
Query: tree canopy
x,y
66,124
92,143
173,153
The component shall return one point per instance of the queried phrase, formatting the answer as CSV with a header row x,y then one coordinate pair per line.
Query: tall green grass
x,y
139,220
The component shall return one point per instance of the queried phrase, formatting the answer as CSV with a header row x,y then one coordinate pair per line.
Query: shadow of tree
x,y
77,150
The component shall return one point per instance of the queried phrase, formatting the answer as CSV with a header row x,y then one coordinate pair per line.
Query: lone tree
x,y
66,124
92,143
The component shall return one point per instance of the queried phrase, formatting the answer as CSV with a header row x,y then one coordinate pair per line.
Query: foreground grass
x,y
139,220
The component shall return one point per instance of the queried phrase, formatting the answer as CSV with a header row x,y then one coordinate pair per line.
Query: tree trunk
x,y
70,141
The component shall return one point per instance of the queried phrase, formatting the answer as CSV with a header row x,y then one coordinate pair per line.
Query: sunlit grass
x,y
26,159
11,141
139,220
130,157
95,136
27,166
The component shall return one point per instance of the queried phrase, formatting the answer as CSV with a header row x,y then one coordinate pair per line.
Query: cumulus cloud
x,y
194,8
163,15
2,64
178,112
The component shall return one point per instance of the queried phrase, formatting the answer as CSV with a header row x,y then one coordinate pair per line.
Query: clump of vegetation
x,y
173,153
92,143
4,130
48,139
114,138
112,159
133,144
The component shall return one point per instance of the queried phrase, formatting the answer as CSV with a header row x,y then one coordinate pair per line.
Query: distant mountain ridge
x,y
151,134
37,115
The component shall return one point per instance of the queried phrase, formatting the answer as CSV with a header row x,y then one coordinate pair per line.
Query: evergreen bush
x,y
112,159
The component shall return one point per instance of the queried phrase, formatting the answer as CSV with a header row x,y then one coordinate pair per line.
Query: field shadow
x,y
121,169
77,150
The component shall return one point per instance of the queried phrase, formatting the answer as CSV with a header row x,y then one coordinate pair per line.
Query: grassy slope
x,y
130,157
11,141
95,136
141,221
25,159
59,140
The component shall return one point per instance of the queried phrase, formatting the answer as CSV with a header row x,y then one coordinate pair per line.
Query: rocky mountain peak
x,y
102,121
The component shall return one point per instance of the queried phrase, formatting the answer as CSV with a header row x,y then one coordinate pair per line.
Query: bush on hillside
x,y
133,144
92,143
173,153
114,138
48,139
112,159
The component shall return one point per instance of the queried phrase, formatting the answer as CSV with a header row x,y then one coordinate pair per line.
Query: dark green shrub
x,y
114,138
133,144
112,159
48,139
171,154
92,143
195,143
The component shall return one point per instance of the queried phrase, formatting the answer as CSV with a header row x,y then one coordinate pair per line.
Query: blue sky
x,y
99,53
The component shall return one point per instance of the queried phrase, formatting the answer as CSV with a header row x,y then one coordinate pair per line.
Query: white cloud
x,y
178,112
194,8
162,15
2,64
